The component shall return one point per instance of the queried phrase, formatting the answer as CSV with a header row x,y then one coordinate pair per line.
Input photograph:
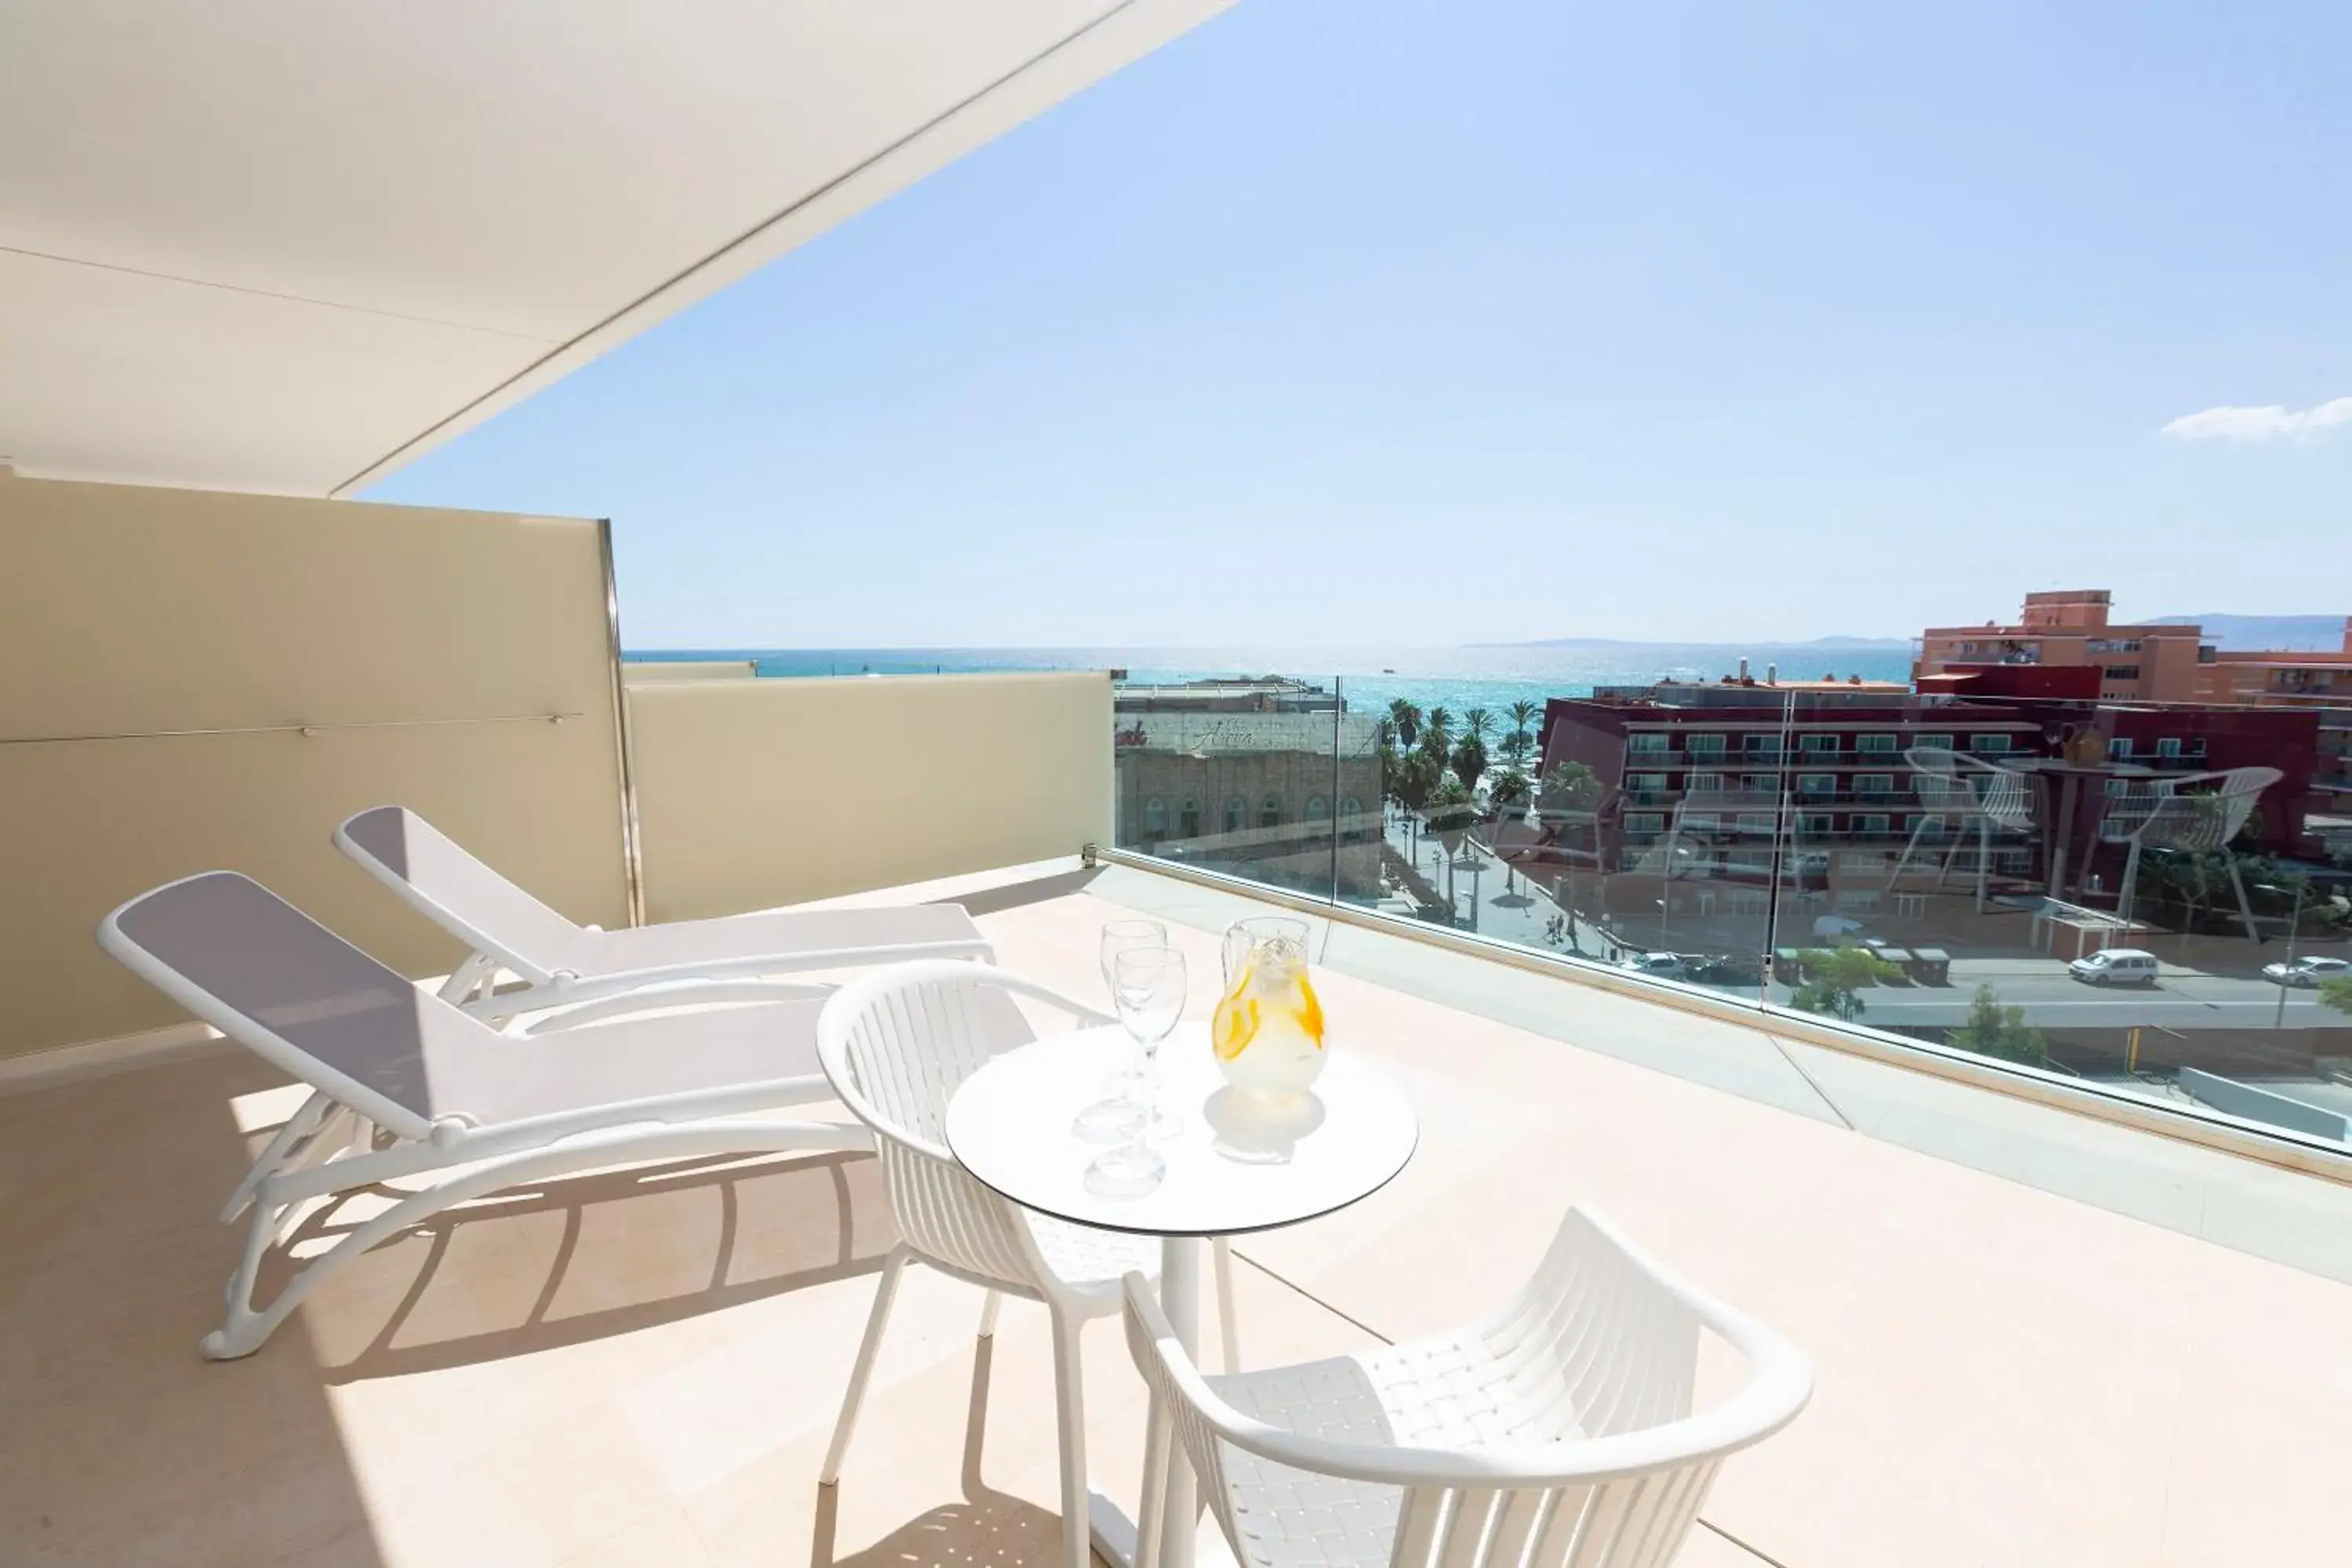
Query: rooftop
x,y
2039,1337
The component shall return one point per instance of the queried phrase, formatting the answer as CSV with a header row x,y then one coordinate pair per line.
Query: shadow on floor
x,y
557,1263
121,1444
1013,895
983,1529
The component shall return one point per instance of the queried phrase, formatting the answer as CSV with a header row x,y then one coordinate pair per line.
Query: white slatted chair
x,y
2181,813
896,1045
407,1092
591,973
1957,792
1557,1433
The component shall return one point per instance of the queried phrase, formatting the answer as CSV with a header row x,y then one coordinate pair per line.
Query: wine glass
x,y
1117,937
1148,988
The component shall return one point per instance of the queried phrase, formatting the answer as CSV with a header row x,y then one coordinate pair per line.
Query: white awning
x,y
287,245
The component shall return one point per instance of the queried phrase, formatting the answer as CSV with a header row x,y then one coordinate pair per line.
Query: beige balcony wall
x,y
428,650
752,794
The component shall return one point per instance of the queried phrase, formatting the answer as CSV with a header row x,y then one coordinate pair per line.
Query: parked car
x,y
2115,967
2306,971
1657,966
1728,969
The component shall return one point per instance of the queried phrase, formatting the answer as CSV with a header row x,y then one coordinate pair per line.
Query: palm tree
x,y
1469,760
1437,731
1522,738
1404,717
1478,724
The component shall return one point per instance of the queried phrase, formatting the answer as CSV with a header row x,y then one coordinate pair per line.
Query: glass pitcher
x,y
1268,1027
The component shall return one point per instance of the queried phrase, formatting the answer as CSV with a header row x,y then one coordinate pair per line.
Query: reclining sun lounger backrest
x,y
436,875
257,969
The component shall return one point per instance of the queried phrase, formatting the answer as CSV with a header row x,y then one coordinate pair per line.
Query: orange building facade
x,y
2069,628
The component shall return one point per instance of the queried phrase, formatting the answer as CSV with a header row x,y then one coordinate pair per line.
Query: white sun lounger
x,y
562,964
404,1085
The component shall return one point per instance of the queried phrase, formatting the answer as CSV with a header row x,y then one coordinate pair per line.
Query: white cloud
x,y
2227,424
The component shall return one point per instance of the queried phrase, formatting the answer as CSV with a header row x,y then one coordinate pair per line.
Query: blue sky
x,y
1353,320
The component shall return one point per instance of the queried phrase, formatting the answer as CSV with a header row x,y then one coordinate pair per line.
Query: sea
x,y
1366,678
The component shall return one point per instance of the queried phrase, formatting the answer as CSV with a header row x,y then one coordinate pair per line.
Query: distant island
x,y
1828,642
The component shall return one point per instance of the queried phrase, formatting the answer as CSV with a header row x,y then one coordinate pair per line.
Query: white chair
x,y
1995,800
1556,1432
404,1085
563,965
896,1045
1715,820
2169,814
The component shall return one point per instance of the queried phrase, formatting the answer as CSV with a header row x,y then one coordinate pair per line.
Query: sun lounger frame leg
x,y
284,1195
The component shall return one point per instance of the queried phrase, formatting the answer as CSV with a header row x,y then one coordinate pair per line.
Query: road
x,y
2180,999
1516,909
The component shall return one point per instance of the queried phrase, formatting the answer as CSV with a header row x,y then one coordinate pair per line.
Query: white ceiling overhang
x,y
287,245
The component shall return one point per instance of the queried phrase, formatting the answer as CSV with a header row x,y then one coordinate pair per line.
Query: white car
x,y
1657,966
2306,971
2115,967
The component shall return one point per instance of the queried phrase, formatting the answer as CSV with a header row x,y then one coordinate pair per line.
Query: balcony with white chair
x,y
645,1365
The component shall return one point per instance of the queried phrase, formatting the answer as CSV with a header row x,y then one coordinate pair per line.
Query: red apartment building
x,y
1712,769
2063,632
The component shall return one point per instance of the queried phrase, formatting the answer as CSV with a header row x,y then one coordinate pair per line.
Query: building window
x,y
1871,822
2169,746
1155,819
1817,822
1755,822
1706,784
1985,744
2119,748
1699,821
1351,809
1646,783
1817,743
1646,741
1645,822
1756,862
1236,814
1935,743
1873,784
2123,672
1763,745
1269,812
1817,784
1188,819
1706,746
1882,743
1317,809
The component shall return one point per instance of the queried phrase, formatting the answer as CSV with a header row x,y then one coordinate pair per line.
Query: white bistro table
x,y
1235,1165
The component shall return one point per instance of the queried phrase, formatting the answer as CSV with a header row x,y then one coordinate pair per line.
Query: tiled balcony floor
x,y
642,1368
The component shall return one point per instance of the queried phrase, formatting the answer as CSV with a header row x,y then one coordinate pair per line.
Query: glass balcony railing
x,y
2152,901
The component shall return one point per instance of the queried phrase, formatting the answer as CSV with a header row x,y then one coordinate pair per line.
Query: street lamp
x,y
2293,924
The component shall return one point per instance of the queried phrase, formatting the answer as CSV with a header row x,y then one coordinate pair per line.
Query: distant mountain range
x,y
2297,634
